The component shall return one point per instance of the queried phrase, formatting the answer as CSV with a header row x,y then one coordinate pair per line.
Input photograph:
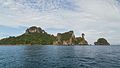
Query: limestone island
x,y
37,36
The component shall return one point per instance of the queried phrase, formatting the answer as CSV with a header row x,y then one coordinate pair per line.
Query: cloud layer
x,y
94,18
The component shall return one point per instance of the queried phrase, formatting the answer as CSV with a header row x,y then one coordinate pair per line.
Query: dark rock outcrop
x,y
101,41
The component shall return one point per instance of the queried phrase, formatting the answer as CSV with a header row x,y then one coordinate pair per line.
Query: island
x,y
37,36
32,35
101,41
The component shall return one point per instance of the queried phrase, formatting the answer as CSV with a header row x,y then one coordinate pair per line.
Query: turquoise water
x,y
59,56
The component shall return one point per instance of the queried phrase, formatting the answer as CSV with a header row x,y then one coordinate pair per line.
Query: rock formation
x,y
83,41
36,35
101,41
34,29
66,38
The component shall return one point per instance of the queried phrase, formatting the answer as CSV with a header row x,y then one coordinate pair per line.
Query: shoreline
x,y
50,45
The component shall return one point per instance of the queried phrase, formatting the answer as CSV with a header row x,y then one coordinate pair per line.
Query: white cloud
x,y
97,18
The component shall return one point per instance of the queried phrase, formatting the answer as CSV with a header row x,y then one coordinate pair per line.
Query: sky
x,y
95,18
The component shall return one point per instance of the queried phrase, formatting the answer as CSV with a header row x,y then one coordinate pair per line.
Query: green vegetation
x,y
101,41
31,38
66,35
78,39
35,35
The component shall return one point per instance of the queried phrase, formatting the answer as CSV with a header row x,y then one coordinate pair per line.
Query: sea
x,y
51,56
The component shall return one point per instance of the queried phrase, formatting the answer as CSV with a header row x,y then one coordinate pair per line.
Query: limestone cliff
x,y
34,29
68,38
36,35
81,40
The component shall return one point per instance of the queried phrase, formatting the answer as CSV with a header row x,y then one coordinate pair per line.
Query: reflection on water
x,y
59,56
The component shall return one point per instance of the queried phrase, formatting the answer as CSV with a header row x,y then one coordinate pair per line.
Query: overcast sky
x,y
95,18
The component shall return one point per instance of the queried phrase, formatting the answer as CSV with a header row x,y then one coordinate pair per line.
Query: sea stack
x,y
101,41
83,41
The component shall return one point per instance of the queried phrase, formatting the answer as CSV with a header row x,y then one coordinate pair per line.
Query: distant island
x,y
37,36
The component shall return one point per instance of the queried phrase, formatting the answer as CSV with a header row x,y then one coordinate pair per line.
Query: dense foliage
x,y
65,36
32,38
37,36
101,41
